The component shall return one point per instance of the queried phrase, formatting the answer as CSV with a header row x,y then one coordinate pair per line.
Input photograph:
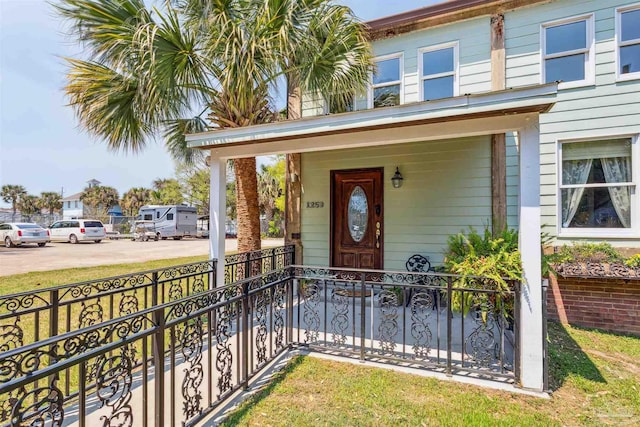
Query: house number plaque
x,y
315,205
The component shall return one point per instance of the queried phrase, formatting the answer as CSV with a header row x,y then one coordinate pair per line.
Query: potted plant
x,y
475,256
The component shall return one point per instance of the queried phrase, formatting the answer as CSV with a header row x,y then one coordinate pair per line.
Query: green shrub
x,y
633,261
496,258
588,252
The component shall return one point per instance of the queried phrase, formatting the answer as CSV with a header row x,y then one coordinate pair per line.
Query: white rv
x,y
175,221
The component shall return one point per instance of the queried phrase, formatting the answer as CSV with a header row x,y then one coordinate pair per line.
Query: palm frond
x,y
175,142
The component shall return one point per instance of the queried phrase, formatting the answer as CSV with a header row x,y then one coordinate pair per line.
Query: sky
x,y
42,146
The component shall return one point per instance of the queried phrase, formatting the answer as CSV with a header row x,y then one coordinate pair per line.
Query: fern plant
x,y
483,255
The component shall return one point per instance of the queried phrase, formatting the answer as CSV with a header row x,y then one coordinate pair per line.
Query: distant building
x,y
72,207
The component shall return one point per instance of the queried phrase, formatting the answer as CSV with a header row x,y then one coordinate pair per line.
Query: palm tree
x,y
11,194
269,190
148,69
50,200
99,199
134,199
28,205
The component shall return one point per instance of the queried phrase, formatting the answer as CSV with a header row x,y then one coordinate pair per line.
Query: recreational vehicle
x,y
174,221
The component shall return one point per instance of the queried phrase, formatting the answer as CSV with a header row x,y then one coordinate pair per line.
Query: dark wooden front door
x,y
357,218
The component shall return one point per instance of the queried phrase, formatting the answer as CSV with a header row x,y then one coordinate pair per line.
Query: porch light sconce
x,y
294,177
397,179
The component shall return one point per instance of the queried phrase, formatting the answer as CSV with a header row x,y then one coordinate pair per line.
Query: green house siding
x,y
606,109
447,188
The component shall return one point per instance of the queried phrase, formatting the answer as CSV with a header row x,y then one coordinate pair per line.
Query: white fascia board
x,y
450,107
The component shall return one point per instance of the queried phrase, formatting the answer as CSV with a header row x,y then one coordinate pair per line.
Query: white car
x,y
17,233
78,230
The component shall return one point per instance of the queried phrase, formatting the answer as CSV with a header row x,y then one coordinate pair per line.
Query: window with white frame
x,y
568,51
387,82
628,37
596,186
438,71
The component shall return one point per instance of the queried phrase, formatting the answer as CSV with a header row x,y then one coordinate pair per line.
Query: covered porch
x,y
464,122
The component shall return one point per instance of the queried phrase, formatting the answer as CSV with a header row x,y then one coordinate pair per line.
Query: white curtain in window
x,y
574,172
618,169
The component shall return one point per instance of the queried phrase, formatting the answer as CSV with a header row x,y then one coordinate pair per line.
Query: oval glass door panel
x,y
357,214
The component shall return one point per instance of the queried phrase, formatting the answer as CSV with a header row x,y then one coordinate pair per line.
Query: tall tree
x,y
148,69
167,191
11,194
134,199
98,199
28,205
271,188
195,180
51,201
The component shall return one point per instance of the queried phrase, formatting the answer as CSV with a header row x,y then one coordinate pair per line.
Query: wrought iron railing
x,y
250,264
441,321
175,362
75,306
208,345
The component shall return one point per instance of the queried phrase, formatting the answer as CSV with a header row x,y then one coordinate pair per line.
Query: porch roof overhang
x,y
467,115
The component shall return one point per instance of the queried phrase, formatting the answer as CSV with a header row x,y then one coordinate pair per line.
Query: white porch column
x,y
531,344
217,213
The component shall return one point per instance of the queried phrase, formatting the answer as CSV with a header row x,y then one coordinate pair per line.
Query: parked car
x,y
17,233
78,230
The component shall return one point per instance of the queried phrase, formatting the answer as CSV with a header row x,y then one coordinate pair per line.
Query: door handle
x,y
378,232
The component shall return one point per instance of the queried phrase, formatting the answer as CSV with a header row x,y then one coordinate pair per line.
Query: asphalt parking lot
x,y
54,256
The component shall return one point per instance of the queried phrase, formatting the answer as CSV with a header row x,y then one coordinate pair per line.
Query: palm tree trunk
x,y
247,205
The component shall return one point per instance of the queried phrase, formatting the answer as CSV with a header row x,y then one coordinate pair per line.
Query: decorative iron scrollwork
x,y
311,316
193,373
261,309
597,269
39,407
388,329
113,388
340,318
480,346
224,357
421,304
278,319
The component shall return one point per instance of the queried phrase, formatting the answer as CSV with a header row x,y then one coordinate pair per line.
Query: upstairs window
x,y
628,38
387,82
438,71
567,51
597,187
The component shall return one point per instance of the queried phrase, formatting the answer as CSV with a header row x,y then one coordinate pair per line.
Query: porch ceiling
x,y
467,115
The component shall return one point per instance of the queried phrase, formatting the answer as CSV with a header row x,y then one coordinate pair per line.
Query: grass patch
x,y
595,376
45,279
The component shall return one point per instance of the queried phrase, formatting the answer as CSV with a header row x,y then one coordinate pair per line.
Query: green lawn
x,y
595,377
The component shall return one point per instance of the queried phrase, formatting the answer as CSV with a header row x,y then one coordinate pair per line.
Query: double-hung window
x,y
597,189
438,71
568,52
386,87
628,40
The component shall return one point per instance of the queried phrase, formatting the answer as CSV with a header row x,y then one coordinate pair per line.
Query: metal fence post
x,y
244,351
293,287
516,334
54,312
158,363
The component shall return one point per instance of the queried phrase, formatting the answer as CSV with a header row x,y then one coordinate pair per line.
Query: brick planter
x,y
607,302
